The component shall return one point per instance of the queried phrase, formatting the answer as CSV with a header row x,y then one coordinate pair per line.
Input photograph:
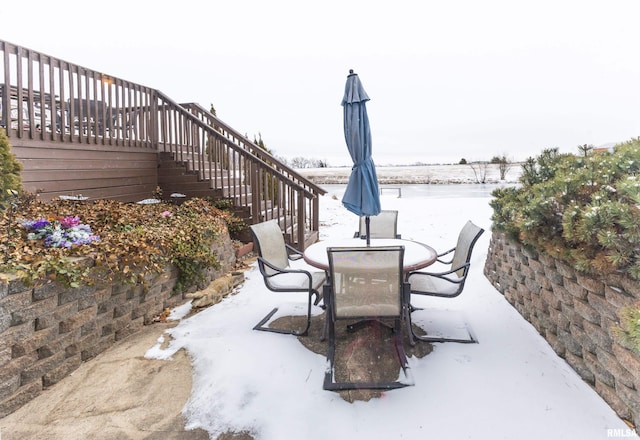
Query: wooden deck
x,y
77,131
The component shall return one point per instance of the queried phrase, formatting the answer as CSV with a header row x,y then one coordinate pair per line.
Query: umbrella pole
x,y
366,224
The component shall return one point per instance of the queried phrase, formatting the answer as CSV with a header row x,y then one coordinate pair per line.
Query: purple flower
x,y
69,222
60,233
34,225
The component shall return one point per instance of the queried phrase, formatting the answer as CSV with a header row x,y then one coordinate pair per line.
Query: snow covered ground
x,y
440,174
511,385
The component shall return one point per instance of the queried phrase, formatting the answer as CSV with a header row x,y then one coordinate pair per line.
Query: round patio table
x,y
416,255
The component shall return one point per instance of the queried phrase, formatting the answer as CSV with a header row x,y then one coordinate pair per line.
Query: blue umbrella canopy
x,y
362,196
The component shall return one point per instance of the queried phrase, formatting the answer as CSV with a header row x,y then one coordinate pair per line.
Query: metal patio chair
x,y
274,257
383,225
448,283
366,284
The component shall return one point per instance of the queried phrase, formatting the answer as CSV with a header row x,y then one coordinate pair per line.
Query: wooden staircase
x,y
180,178
175,177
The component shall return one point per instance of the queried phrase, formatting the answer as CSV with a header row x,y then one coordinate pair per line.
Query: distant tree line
x,y
480,167
296,162
304,162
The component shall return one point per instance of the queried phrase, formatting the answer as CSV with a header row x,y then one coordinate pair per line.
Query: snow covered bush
x,y
581,209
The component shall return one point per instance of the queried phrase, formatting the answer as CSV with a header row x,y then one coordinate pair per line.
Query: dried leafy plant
x,y
135,240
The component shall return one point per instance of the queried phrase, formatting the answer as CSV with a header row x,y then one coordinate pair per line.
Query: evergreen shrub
x,y
10,180
584,210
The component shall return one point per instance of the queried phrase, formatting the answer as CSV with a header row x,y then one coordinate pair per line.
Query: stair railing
x,y
246,144
246,173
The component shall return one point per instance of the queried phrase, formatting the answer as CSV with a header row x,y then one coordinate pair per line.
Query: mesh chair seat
x,y
358,310
296,281
427,283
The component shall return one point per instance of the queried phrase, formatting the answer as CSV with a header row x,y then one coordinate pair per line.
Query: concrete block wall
x,y
47,330
575,314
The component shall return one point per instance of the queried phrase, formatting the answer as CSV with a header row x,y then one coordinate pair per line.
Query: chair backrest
x,y
466,240
269,240
383,225
366,282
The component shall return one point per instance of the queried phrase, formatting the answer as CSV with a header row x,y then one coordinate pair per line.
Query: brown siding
x,y
97,171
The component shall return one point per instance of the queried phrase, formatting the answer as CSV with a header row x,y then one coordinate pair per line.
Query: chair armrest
x,y
292,253
269,278
440,260
278,270
443,275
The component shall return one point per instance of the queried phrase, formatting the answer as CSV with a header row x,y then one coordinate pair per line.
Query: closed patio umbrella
x,y
362,196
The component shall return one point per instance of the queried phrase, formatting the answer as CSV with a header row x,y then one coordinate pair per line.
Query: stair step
x,y
180,179
184,177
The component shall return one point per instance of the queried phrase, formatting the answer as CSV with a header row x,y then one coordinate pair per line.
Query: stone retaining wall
x,y
575,314
47,331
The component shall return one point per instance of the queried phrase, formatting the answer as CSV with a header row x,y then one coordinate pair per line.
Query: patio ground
x,y
119,394
122,394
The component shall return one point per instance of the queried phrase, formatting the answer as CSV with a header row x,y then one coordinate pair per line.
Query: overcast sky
x,y
447,79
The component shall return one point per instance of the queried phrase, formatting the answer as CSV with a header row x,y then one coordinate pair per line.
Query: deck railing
x,y
47,99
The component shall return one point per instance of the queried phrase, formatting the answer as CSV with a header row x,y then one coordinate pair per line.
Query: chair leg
x,y
402,356
329,377
326,298
470,340
364,323
261,325
413,336
331,350
325,327
318,299
407,320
